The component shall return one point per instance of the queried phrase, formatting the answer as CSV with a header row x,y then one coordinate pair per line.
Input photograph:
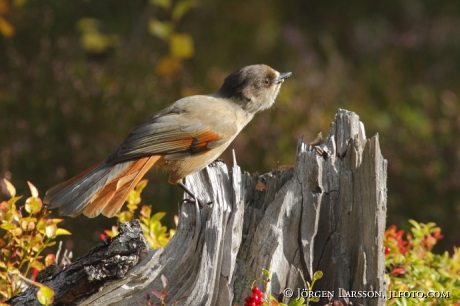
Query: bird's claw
x,y
214,163
193,201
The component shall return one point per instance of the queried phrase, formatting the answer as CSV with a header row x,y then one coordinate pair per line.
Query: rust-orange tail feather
x,y
100,189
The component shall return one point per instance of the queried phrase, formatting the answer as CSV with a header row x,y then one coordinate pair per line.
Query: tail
x,y
100,189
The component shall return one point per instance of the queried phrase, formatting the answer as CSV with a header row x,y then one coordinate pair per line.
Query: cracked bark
x,y
327,212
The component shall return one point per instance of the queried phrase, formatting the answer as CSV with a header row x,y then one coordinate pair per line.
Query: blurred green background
x,y
77,76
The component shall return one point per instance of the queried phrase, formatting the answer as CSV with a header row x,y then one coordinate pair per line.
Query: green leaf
x,y
317,275
41,224
10,188
54,220
266,272
141,185
182,8
146,211
45,295
297,302
161,29
181,46
13,200
163,3
415,224
271,297
314,299
157,229
145,229
33,190
157,217
33,205
51,243
110,233
125,216
144,221
37,242
8,226
61,231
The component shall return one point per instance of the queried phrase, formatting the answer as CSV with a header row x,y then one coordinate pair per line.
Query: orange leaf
x,y
168,66
6,28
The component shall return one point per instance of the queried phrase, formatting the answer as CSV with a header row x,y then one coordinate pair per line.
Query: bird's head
x,y
253,87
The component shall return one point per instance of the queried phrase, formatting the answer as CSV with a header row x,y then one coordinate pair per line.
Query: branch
x,y
327,212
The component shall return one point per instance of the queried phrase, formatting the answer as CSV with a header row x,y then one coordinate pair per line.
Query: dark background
x,y
77,76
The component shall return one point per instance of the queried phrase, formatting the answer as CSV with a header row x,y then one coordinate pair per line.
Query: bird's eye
x,y
267,81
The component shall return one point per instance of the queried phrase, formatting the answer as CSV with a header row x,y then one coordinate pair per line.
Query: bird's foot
x,y
214,163
193,201
193,197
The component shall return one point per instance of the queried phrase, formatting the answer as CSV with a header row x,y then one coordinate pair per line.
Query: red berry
x,y
252,304
248,299
258,299
255,289
387,250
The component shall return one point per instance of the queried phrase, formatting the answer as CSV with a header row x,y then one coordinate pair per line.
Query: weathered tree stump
x,y
327,212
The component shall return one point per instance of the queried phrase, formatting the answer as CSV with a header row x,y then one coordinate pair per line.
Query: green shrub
x,y
25,232
411,266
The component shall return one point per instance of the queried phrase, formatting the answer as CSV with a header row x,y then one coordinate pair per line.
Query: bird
x,y
181,139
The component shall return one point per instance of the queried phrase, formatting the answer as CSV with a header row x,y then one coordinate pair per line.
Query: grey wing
x,y
181,129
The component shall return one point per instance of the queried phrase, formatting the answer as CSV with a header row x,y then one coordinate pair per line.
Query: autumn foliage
x,y
26,231
412,266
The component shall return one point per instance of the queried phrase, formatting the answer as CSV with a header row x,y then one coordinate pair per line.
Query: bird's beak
x,y
283,75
